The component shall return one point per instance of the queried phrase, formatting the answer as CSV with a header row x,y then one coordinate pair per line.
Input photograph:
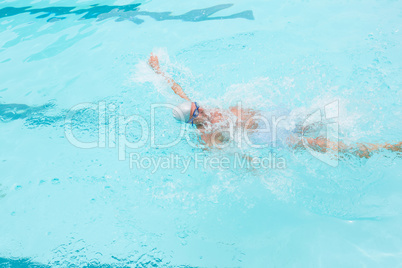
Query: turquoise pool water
x,y
63,205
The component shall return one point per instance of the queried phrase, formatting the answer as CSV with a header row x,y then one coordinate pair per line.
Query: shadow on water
x,y
19,263
2,194
26,262
125,12
34,115
47,115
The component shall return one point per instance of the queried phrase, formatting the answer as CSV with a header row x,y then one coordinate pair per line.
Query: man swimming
x,y
213,125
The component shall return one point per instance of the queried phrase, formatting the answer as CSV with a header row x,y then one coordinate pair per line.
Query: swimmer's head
x,y
186,112
182,111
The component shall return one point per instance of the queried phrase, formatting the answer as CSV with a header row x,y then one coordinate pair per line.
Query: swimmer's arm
x,y
206,138
154,63
210,140
362,150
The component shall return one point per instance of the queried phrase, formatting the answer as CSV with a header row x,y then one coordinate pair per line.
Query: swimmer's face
x,y
201,114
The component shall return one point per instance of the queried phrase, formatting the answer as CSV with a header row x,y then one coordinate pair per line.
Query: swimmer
x,y
205,120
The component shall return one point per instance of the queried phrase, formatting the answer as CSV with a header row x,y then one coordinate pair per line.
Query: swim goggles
x,y
195,114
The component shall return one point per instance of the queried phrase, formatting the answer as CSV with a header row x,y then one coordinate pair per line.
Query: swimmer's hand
x,y
154,63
